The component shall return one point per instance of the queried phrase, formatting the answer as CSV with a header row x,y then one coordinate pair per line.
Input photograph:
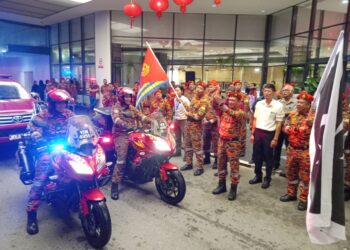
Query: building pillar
x,y
103,46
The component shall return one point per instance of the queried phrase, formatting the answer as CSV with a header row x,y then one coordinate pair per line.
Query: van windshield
x,y
10,91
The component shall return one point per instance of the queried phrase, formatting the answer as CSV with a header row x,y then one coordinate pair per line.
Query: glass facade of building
x,y
73,50
287,46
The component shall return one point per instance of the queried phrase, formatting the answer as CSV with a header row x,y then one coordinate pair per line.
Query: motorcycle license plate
x,y
162,125
15,137
84,134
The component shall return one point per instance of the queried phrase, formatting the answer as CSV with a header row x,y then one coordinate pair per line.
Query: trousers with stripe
x,y
228,152
298,172
42,170
194,143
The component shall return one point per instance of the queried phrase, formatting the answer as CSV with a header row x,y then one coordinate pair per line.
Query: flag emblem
x,y
145,70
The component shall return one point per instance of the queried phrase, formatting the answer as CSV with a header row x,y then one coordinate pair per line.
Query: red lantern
x,y
183,4
132,10
159,6
217,2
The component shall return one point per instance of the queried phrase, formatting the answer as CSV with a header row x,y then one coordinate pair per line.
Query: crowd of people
x,y
207,121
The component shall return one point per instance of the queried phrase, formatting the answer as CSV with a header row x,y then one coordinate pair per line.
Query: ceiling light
x,y
344,1
262,11
81,1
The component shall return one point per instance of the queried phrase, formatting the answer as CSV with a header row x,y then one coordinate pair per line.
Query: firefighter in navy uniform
x,y
55,118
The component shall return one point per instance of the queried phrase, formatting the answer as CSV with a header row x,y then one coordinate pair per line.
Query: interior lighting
x,y
263,11
81,1
345,1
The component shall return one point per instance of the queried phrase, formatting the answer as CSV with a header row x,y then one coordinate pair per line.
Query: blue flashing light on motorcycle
x,y
58,146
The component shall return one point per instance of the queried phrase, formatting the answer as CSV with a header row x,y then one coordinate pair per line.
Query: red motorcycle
x,y
148,158
78,162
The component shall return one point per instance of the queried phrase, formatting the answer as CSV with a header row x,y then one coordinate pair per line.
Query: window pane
x,y
76,29
184,73
65,56
332,18
277,74
303,17
189,26
66,73
296,75
220,73
220,26
315,44
155,27
281,22
76,52
55,71
90,73
54,55
64,32
163,50
89,50
77,76
247,74
54,34
251,27
334,12
89,26
329,38
18,34
120,25
188,52
249,53
218,53
278,53
299,48
127,59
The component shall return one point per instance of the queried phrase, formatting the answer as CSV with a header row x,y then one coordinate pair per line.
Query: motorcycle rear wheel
x,y
173,190
97,224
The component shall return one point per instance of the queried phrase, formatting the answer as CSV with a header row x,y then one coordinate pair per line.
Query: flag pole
x,y
180,101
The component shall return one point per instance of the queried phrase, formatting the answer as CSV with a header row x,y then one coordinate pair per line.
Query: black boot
x,y
215,164
186,167
221,188
32,223
114,191
206,158
233,192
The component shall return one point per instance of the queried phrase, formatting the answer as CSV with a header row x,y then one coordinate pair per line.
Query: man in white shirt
x,y
179,118
266,127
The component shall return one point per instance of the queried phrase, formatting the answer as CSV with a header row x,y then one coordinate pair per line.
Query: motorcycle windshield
x,y
159,126
81,131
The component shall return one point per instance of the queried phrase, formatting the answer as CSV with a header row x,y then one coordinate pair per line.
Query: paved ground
x,y
256,220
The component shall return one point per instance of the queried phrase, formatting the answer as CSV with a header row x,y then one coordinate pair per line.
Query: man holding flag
x,y
325,218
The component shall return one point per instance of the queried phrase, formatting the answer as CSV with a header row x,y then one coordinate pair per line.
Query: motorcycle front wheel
x,y
172,190
97,224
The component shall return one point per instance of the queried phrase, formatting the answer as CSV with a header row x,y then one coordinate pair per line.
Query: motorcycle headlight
x,y
161,144
81,167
